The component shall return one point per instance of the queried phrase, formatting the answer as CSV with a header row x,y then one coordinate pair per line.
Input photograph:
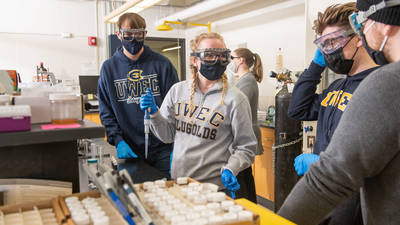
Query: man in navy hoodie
x,y
123,79
341,50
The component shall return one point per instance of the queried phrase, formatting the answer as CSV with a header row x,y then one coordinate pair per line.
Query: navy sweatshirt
x,y
327,107
122,82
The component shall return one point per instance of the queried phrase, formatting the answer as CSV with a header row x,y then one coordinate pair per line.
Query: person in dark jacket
x,y
340,49
123,79
364,153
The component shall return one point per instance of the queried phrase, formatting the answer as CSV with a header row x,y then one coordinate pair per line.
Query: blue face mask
x,y
212,72
133,46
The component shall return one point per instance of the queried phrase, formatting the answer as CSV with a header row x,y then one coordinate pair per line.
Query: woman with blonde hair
x,y
247,69
206,119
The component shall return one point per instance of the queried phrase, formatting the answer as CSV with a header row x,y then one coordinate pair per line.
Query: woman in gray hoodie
x,y
208,120
246,68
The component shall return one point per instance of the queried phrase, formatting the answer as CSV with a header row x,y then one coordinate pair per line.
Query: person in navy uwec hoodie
x,y
340,49
123,79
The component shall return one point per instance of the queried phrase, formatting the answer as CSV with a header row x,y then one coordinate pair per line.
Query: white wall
x,y
263,31
30,32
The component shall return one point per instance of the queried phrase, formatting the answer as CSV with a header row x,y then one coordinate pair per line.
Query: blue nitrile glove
x,y
303,162
319,58
147,100
229,180
124,151
170,160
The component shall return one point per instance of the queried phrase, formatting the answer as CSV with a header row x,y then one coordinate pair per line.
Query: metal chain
x,y
288,144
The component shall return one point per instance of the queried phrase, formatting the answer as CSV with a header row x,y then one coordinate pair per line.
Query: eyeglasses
x,y
234,57
131,34
210,56
333,41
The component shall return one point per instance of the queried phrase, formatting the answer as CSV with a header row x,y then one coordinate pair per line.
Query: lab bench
x,y
45,154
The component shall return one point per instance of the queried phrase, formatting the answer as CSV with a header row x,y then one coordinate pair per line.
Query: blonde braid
x,y
224,87
193,86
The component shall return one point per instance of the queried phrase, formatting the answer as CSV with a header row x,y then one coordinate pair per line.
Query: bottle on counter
x,y
279,60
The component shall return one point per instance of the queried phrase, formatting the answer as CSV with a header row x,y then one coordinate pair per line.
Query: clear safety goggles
x,y
358,19
333,41
210,56
131,34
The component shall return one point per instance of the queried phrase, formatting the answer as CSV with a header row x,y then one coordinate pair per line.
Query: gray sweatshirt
x,y
247,84
363,155
209,137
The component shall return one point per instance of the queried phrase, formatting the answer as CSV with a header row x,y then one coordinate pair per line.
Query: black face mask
x,y
337,63
376,55
212,72
133,46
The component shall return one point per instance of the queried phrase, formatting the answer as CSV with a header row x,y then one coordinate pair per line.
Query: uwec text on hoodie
x,y
327,107
122,82
210,135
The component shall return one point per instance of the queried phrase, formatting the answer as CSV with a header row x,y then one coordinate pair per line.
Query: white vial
x,y
191,195
193,184
177,219
160,183
200,221
162,210
215,220
235,209
81,219
147,185
211,187
216,207
230,217
245,216
200,200
207,213
168,215
179,206
149,195
193,216
71,199
199,208
101,220
218,197
225,205
182,180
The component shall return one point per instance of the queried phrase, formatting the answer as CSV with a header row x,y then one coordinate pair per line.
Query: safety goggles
x,y
133,34
210,56
333,41
358,19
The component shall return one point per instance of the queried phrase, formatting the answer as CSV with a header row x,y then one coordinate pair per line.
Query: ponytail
x,y
251,59
258,68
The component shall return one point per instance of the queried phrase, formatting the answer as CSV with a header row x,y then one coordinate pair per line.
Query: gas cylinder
x,y
286,131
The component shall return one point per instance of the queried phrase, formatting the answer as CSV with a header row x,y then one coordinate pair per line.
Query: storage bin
x,y
15,118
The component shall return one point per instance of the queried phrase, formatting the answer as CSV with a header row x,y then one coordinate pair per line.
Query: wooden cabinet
x,y
263,166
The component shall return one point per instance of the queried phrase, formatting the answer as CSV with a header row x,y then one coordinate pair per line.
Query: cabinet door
x,y
263,166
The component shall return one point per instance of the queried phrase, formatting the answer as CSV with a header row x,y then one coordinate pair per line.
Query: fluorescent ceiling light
x,y
170,49
134,6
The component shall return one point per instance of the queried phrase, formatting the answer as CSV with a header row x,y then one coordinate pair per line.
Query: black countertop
x,y
36,135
